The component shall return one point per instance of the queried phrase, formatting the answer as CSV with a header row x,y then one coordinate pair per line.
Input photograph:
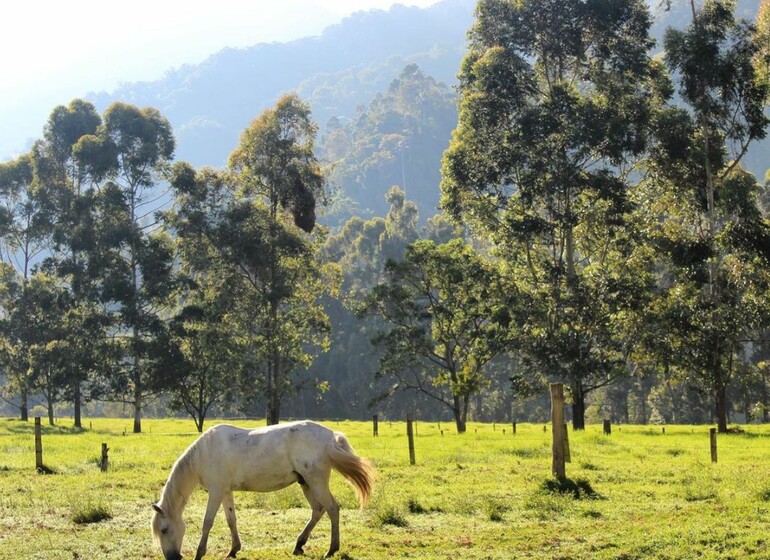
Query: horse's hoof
x,y
298,551
331,553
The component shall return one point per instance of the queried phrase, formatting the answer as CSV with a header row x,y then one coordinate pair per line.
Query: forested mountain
x,y
347,65
397,140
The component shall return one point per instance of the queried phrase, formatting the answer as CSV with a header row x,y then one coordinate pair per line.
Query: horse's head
x,y
169,532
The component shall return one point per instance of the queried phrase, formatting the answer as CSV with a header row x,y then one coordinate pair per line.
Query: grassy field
x,y
485,495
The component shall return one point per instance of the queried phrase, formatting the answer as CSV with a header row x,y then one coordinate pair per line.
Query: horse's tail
x,y
358,471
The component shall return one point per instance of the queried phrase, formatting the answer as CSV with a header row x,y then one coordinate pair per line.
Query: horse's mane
x,y
182,480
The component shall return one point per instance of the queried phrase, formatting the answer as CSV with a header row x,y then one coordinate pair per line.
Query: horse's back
x,y
265,458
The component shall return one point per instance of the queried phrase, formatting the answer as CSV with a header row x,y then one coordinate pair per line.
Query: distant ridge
x,y
209,104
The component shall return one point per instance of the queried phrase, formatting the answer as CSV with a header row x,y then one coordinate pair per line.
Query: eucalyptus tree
x,y
206,358
24,227
72,189
704,207
555,102
445,318
205,352
126,159
254,224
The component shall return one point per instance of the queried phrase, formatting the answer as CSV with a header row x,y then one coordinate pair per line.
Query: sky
x,y
52,51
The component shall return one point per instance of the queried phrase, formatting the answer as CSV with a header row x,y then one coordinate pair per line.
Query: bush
x,y
90,512
390,515
578,488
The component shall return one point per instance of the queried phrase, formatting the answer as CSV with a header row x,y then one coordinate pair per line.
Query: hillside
x,y
209,104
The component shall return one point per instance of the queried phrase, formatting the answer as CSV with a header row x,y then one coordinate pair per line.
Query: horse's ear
x,y
157,509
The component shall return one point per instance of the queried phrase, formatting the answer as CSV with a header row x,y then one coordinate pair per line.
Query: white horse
x,y
227,458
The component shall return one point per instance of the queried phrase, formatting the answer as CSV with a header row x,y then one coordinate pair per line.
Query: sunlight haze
x,y
53,52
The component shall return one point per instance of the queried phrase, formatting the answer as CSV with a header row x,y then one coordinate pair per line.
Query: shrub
x,y
390,515
495,510
578,488
764,494
90,512
415,507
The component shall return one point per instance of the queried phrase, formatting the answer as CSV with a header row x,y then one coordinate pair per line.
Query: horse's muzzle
x,y
173,556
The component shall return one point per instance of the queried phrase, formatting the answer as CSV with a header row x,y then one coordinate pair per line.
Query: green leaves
x,y
275,160
440,306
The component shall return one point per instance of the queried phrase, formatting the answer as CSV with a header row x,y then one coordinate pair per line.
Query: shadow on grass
x,y
16,427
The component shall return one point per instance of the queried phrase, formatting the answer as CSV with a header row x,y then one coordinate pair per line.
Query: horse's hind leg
x,y
229,506
333,509
317,512
320,490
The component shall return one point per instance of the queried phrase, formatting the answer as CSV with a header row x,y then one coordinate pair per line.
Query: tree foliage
x,y
554,108
708,223
233,228
445,319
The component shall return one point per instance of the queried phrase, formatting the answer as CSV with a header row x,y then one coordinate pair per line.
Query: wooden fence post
x,y
607,428
713,437
375,426
105,462
410,436
557,426
514,427
38,446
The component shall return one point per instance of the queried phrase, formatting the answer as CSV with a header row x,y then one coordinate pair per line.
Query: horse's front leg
x,y
229,506
215,498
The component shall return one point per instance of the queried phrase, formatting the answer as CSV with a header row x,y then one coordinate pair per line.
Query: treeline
x,y
597,228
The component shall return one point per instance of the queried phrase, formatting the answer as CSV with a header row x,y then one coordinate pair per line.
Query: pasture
x,y
484,495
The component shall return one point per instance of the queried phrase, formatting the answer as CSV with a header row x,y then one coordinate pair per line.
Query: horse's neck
x,y
181,483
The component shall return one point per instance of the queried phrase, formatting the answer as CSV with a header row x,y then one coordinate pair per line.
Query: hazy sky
x,y
52,51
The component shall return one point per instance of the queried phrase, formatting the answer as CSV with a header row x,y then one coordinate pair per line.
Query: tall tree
x,y
126,157
72,191
442,307
205,355
714,236
253,222
25,226
554,107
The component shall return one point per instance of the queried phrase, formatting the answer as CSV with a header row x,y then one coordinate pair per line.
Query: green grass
x,y
637,494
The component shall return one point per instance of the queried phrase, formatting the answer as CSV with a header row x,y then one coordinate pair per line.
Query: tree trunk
x,y
77,397
721,408
460,411
137,379
24,406
273,413
50,414
578,406
765,403
137,410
